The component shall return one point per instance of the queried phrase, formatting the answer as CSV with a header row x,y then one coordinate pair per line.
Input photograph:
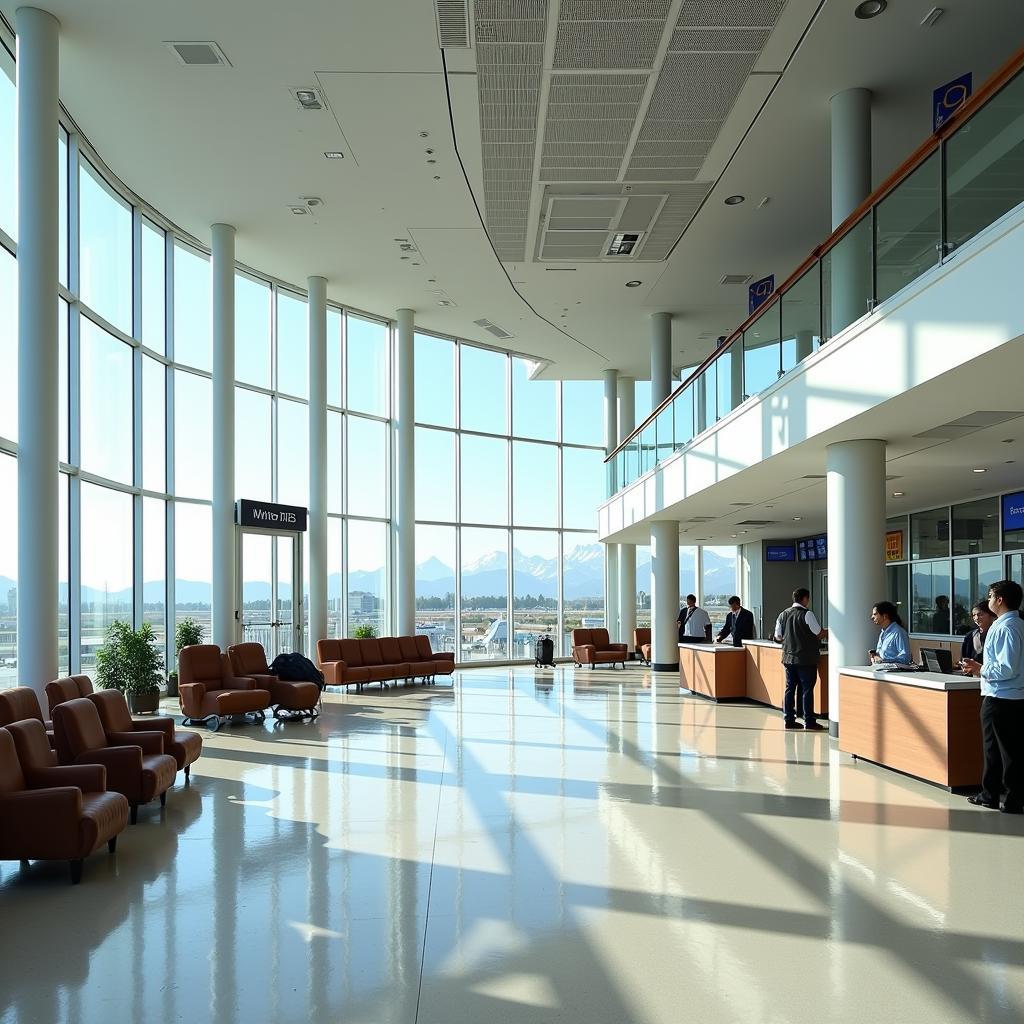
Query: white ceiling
x,y
231,145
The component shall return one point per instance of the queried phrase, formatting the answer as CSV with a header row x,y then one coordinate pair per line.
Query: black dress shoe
x,y
1011,809
793,725
814,727
979,800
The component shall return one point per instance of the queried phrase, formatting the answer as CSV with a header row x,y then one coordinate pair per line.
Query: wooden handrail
x,y
930,145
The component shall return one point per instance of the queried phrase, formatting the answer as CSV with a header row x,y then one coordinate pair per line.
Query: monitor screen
x,y
937,659
780,553
809,549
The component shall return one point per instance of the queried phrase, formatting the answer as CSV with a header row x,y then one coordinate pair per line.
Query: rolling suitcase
x,y
544,652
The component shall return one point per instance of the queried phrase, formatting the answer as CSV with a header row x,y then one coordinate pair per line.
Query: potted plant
x,y
364,632
130,660
187,633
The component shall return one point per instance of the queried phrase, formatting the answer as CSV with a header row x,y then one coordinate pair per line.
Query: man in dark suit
x,y
739,624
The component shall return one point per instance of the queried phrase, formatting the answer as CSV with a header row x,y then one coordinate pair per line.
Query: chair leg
x,y
135,814
163,798
188,770
76,871
112,845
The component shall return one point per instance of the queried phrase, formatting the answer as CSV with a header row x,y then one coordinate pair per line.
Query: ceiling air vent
x,y
453,24
492,328
735,278
199,55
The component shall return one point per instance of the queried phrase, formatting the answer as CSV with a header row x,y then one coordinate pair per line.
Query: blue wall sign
x,y
760,292
1013,511
948,99
780,553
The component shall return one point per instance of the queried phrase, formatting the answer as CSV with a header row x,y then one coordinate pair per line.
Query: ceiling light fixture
x,y
897,494
633,284
298,210
308,99
334,154
869,9
796,519
735,200
978,469
932,16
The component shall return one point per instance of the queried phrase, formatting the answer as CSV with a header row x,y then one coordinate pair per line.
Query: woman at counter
x,y
973,646
893,643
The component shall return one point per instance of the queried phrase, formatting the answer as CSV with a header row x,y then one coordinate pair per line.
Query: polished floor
x,y
529,847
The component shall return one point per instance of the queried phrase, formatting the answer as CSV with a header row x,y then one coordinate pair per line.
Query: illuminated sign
x,y
269,516
811,549
1013,511
948,99
760,292
780,553
894,546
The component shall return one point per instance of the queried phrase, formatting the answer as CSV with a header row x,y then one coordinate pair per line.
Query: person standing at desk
x,y
973,646
800,633
739,624
893,643
1002,703
694,623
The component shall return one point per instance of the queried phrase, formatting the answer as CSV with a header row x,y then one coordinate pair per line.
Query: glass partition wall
x,y
969,181
509,470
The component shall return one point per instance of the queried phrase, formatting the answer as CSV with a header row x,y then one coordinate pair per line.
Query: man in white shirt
x,y
694,623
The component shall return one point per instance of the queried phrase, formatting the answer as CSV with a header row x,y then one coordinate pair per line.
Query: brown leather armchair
x,y
68,688
120,727
290,699
51,813
21,703
592,647
208,691
137,768
642,643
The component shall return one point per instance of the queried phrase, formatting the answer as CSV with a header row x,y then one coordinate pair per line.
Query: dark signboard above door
x,y
266,515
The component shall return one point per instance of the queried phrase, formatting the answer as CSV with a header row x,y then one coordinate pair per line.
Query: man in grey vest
x,y
800,634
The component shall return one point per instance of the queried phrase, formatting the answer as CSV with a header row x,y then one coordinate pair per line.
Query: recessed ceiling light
x,y
633,284
732,534
869,9
897,494
298,210
978,469
444,302
308,99
424,135
796,519
334,154
735,200
437,177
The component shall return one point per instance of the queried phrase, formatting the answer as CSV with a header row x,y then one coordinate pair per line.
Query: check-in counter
x,y
921,723
718,671
766,676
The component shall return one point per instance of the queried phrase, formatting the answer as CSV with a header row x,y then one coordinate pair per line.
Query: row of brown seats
x,y
213,686
67,790
387,659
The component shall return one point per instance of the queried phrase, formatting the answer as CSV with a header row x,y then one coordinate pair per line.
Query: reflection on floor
x,y
529,847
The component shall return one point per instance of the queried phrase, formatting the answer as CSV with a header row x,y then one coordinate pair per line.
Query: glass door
x,y
270,590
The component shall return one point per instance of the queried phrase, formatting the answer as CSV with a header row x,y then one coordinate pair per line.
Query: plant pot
x,y
144,703
172,685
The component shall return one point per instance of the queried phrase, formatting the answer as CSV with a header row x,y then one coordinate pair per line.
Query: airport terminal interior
x,y
423,426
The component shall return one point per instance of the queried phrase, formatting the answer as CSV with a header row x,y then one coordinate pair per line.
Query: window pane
x,y
483,400
897,590
62,207
801,319
154,565
930,597
252,331
582,585
104,249
435,380
687,570
534,404
9,571
583,412
192,308
154,420
9,342
929,533
252,443
367,467
582,487
971,579
976,527
63,587
484,479
435,474
642,401
534,589
107,531
435,585
193,563
153,258
367,575
106,404
846,278
484,594
335,626
367,343
334,462
292,453
719,583
534,484
761,353
62,380
292,347
193,422
333,356
8,151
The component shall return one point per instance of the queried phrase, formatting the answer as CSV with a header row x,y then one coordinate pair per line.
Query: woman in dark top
x,y
974,643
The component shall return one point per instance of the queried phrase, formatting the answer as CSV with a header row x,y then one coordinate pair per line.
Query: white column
x,y
850,113
736,373
405,477
661,358
317,535
611,589
627,552
222,269
664,595
611,551
38,359
855,490
611,418
701,402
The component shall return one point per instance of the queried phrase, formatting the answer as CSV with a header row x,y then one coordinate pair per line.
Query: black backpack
x,y
297,668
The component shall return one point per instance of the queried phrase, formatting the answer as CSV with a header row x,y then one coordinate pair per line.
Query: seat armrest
x,y
30,811
240,683
114,759
162,725
151,742
443,656
334,672
89,778
617,647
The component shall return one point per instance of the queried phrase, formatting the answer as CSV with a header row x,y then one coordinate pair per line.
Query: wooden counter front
x,y
929,732
766,676
713,670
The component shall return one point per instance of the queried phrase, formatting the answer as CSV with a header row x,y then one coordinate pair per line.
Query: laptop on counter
x,y
938,659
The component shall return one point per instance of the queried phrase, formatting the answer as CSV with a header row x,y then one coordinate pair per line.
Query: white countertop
x,y
712,647
922,680
772,643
